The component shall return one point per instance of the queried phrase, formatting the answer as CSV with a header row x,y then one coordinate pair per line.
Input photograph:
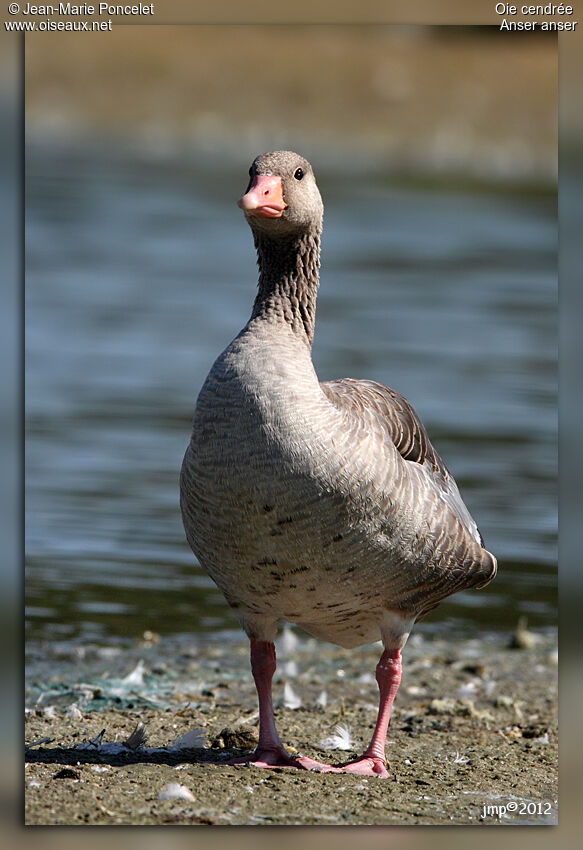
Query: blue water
x,y
138,275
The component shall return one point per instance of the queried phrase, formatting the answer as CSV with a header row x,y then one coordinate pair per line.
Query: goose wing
x,y
401,426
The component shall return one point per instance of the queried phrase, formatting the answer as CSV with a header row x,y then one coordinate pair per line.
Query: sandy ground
x,y
474,726
475,722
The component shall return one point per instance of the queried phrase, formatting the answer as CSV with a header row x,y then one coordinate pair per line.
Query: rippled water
x,y
138,275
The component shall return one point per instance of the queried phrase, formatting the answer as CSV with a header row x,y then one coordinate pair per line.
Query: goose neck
x,y
288,281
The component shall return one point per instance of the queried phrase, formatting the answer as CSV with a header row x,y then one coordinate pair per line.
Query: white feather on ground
x,y
290,698
341,739
175,791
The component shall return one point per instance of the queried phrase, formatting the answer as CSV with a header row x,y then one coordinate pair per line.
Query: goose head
x,y
282,198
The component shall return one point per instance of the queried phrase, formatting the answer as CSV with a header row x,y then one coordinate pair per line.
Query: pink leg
x,y
270,751
373,761
263,667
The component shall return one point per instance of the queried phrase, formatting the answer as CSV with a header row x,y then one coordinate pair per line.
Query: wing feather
x,y
402,427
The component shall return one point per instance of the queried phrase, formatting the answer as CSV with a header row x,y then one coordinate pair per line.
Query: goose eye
x,y
299,173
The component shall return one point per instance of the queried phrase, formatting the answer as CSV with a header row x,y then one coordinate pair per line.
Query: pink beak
x,y
264,198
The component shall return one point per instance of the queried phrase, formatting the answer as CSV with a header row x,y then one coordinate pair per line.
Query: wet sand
x,y
474,725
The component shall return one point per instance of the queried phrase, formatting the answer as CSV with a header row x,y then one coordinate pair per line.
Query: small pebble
x,y
522,638
150,638
67,773
441,706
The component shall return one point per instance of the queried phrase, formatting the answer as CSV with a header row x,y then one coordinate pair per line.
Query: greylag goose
x,y
319,504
